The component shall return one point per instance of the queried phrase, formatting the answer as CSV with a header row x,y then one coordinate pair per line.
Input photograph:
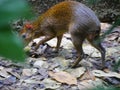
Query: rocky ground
x,y
45,70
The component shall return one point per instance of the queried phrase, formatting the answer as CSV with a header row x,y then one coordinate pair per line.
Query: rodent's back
x,y
59,15
67,12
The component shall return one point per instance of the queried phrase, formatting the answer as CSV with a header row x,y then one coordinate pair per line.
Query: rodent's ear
x,y
29,26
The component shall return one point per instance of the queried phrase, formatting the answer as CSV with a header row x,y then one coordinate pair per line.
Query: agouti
x,y
67,16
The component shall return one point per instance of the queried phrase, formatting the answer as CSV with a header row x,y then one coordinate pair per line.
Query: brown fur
x,y
71,16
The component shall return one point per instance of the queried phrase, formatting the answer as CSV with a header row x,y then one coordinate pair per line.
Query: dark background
x,y
106,10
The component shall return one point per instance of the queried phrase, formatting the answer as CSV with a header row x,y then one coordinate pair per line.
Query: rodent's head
x,y
27,32
30,32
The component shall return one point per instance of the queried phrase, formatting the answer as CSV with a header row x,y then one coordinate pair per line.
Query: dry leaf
x,y
39,63
31,81
9,70
4,73
87,76
51,84
63,77
105,26
89,84
100,73
77,72
28,72
61,62
111,51
88,49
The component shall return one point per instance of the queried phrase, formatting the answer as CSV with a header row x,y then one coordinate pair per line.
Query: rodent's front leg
x,y
47,38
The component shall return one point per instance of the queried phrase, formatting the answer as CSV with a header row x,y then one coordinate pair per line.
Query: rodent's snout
x,y
23,36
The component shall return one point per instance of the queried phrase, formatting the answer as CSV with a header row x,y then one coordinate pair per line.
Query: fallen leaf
x,y
50,84
63,77
31,81
86,63
88,76
43,72
105,26
61,62
90,84
77,72
10,80
112,36
9,70
1,83
100,73
90,50
28,72
39,63
112,80
119,40
111,51
4,73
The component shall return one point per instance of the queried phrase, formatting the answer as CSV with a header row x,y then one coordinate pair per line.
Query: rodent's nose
x,y
23,36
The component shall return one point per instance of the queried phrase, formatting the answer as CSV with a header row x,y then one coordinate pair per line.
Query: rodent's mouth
x,y
27,40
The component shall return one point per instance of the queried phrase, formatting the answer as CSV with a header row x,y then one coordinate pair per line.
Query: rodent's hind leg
x,y
96,42
77,40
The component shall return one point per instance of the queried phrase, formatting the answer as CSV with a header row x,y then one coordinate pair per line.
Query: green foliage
x,y
110,88
10,45
12,9
117,23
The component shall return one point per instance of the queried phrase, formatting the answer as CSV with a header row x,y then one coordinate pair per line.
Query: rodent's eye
x,y
23,36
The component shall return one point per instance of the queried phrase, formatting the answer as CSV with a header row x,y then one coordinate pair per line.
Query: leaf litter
x,y
47,70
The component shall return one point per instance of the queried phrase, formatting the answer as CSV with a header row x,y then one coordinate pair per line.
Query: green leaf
x,y
10,45
13,9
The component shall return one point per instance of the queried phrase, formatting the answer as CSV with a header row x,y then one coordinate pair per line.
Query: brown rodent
x,y
68,16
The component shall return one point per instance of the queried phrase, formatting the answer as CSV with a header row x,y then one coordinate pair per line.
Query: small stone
x,y
29,72
39,63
